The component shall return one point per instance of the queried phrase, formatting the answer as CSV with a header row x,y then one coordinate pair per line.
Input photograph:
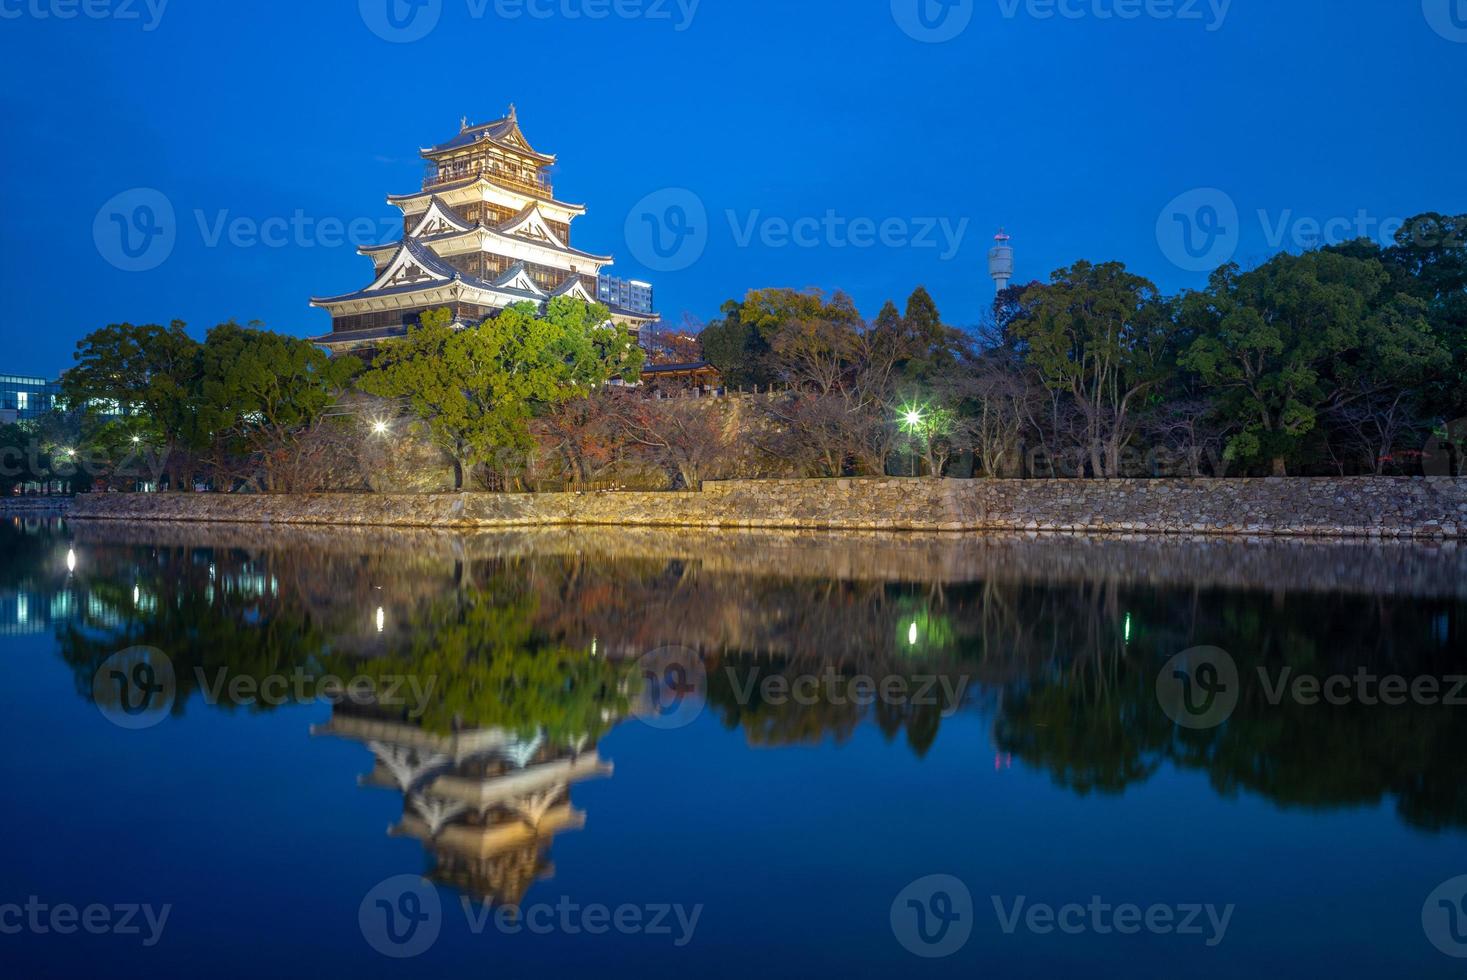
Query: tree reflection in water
x,y
533,635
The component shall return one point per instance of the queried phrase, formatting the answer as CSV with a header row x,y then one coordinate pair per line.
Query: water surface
x,y
545,765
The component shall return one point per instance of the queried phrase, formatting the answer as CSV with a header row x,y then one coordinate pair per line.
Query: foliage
x,y
1280,343
1104,338
479,387
261,392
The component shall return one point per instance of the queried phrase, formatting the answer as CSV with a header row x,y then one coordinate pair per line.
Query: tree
x,y
260,392
148,371
1103,338
1428,261
736,348
1297,335
478,388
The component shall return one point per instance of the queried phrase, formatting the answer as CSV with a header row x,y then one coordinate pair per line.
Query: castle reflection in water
x,y
532,638
486,803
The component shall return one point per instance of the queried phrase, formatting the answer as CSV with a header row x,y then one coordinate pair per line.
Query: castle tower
x,y
485,232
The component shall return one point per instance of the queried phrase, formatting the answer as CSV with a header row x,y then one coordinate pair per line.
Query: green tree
x,y
1428,261
737,348
478,388
1285,341
1104,338
261,391
147,371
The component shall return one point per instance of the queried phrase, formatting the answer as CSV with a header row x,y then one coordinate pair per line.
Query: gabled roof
x,y
573,286
548,241
439,219
504,132
517,278
412,268
531,224
398,200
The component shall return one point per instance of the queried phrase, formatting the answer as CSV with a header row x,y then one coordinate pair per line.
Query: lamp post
x,y
914,423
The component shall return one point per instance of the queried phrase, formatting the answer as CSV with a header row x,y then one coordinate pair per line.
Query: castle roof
x,y
440,216
503,132
399,200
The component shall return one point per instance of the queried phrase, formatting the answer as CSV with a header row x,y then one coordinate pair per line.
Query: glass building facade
x,y
629,294
25,398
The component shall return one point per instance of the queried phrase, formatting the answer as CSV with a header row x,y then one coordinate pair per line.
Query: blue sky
x,y
831,143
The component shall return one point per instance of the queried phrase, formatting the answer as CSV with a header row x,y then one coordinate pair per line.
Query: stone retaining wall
x,y
33,506
1433,507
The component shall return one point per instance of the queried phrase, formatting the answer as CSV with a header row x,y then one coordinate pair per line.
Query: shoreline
x,y
1347,508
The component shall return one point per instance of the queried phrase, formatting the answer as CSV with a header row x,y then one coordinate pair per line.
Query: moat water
x,y
363,753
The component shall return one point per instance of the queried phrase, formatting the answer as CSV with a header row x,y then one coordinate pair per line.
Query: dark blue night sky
x,y
831,143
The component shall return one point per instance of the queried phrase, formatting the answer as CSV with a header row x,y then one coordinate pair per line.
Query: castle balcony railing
x,y
436,176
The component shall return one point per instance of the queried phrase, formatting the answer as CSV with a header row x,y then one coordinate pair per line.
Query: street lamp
x,y
379,428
